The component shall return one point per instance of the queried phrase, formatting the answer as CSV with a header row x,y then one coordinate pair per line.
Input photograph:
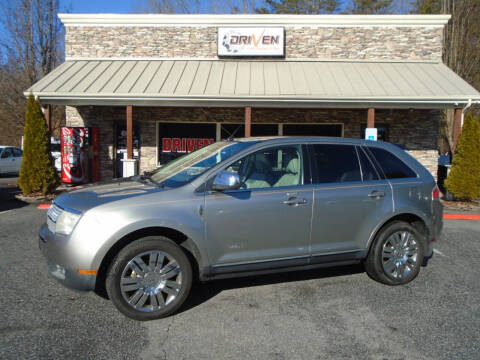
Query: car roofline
x,y
306,139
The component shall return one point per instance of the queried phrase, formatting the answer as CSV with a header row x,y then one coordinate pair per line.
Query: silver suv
x,y
244,207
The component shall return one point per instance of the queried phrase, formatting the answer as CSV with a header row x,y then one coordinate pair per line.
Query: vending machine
x,y
80,154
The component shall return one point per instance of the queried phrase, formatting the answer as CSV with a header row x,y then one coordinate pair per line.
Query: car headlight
x,y
66,222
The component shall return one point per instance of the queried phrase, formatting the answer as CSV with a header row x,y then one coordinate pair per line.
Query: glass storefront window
x,y
312,130
238,130
177,139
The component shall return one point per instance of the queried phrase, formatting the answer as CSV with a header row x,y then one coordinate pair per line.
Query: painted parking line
x,y
44,206
461,216
439,253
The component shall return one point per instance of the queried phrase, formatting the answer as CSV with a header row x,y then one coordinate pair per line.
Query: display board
x,y
251,41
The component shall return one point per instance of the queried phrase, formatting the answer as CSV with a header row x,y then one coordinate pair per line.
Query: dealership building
x,y
158,86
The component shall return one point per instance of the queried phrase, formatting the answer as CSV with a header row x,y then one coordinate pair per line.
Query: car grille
x,y
52,216
54,212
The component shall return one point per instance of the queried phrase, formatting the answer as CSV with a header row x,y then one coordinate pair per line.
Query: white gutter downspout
x,y
463,111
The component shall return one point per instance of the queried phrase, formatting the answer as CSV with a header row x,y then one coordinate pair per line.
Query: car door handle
x,y
295,201
376,194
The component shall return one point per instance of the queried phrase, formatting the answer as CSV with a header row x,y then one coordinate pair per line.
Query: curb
x,y
461,217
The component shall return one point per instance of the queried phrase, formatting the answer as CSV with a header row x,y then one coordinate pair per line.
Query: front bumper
x,y
53,249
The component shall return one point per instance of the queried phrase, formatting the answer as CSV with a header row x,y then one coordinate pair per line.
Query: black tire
x,y
152,285
376,262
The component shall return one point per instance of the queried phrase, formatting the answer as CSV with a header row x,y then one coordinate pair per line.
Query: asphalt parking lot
x,y
322,314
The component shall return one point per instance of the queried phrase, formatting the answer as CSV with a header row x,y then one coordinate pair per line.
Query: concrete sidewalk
x,y
453,207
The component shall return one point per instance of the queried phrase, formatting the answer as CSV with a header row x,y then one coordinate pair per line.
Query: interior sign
x,y
184,145
371,134
251,41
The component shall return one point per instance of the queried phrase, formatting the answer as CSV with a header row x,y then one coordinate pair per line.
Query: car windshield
x,y
188,167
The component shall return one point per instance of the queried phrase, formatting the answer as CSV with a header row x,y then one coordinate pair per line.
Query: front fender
x,y
99,231
194,231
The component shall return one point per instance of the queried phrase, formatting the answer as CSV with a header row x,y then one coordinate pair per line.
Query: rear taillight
x,y
435,193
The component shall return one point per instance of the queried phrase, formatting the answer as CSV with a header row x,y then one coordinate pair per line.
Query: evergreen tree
x,y
371,6
299,7
37,173
464,178
427,7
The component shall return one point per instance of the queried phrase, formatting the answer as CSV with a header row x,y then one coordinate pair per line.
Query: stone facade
x,y
368,42
417,130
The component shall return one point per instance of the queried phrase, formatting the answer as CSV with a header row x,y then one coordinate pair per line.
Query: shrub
x,y
37,173
464,178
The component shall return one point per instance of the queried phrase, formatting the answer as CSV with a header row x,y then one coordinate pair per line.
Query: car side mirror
x,y
226,180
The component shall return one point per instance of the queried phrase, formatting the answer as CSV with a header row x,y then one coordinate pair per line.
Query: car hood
x,y
85,197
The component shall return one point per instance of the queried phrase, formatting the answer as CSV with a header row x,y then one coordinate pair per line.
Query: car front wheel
x,y
149,278
396,255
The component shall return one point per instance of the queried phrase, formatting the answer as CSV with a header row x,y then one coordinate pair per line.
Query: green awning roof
x,y
262,83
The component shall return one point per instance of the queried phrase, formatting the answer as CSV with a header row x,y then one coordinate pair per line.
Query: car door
x,y
7,161
18,155
350,200
265,223
409,191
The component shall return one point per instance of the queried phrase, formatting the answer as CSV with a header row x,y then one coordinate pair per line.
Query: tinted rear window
x,y
336,163
368,171
392,166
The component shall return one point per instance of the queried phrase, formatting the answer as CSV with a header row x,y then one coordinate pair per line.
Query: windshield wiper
x,y
147,175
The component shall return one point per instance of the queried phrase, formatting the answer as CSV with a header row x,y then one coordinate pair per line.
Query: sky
x,y
99,6
126,6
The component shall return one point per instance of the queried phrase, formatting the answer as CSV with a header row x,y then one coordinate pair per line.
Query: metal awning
x,y
261,83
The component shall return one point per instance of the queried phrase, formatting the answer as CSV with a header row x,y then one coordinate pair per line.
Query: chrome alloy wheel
x,y
151,281
399,254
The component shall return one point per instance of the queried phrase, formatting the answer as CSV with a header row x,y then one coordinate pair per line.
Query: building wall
x,y
416,129
312,42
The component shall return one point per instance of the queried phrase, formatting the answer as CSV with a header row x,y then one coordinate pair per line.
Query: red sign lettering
x,y
166,145
183,145
176,142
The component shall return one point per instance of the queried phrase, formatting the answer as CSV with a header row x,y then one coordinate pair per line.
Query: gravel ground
x,y
330,313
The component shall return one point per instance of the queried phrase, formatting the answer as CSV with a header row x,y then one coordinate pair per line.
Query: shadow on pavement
x,y
202,292
8,190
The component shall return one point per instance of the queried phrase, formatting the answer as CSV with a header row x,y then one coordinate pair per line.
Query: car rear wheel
x,y
396,255
149,279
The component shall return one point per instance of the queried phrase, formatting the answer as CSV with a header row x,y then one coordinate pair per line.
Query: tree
x,y
371,6
427,7
37,173
31,45
170,6
464,178
461,50
298,7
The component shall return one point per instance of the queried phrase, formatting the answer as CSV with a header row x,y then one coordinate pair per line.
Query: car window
x,y
17,152
392,166
270,168
7,153
190,166
336,163
368,171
